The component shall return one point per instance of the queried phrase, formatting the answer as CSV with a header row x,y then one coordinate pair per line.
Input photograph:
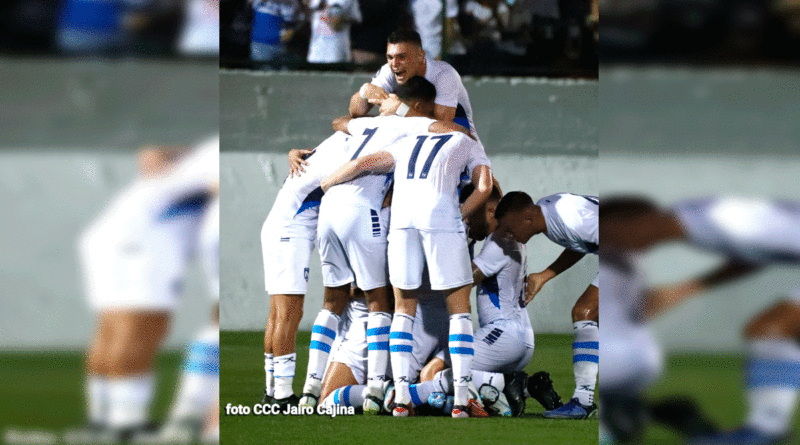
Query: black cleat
x,y
540,387
267,400
683,415
292,400
515,392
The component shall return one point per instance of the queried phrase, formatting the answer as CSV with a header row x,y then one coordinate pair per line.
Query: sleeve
x,y
491,260
447,86
476,156
383,78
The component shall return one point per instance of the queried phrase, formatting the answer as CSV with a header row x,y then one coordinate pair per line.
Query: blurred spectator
x,y
429,18
380,18
96,26
274,22
330,30
200,33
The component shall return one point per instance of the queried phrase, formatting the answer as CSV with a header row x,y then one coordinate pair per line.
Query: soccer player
x,y
134,256
751,234
569,221
425,218
352,237
287,238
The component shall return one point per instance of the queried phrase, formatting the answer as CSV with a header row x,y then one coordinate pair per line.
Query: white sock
x,y
442,382
200,381
269,371
346,396
772,379
284,375
400,352
97,399
585,353
322,335
378,328
129,400
461,352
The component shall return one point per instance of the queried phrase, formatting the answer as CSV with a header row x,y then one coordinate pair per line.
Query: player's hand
x,y
375,94
534,284
389,105
297,161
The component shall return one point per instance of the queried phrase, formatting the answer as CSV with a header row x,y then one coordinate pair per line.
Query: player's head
x,y
405,55
518,217
418,93
635,223
482,221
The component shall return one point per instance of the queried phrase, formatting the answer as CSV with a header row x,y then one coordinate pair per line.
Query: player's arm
x,y
477,274
660,299
297,160
363,100
444,113
340,123
536,281
482,178
380,162
448,127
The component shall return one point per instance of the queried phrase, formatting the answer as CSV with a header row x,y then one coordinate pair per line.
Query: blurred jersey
x,y
572,221
200,33
331,44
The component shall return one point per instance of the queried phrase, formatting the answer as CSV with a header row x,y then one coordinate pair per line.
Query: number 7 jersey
x,y
427,172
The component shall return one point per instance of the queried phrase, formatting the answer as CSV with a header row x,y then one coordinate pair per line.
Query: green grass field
x,y
713,381
242,382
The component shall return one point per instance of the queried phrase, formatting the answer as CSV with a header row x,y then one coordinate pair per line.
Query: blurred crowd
x,y
108,28
705,31
504,37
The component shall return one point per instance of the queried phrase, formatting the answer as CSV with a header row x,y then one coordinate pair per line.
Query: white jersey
x,y
330,45
572,221
370,135
501,295
751,230
427,173
450,91
296,208
200,34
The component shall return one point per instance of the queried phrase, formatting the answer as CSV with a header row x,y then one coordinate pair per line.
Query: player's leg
x,y
289,312
436,365
137,337
585,361
341,387
97,360
378,330
269,357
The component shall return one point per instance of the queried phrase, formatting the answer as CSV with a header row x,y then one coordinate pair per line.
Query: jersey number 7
x,y
415,153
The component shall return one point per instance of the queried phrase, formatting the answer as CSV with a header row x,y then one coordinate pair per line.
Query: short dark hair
x,y
416,88
626,207
406,35
512,202
467,190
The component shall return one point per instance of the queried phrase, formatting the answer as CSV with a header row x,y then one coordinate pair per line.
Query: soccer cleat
x,y
388,398
515,392
540,387
403,411
459,412
308,400
683,415
292,400
372,405
572,410
495,401
475,409
267,400
741,436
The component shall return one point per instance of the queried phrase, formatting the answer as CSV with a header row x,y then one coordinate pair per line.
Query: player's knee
x,y
584,312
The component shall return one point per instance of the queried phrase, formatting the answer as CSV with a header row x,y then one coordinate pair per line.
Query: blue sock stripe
x,y
208,367
412,389
586,345
317,329
379,331
400,348
336,396
461,337
320,345
464,351
346,395
773,373
585,358
379,346
401,335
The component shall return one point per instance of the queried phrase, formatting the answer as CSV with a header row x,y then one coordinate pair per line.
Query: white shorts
x,y
352,247
499,347
136,269
446,253
286,261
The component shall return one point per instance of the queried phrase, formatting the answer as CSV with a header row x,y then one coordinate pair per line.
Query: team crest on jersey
x,y
305,274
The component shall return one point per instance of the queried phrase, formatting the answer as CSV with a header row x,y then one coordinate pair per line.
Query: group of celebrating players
x,y
397,202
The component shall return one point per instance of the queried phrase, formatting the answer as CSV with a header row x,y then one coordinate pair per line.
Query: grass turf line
x,y
242,383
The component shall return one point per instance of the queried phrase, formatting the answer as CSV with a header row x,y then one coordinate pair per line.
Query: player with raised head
x,y
287,239
425,218
751,234
352,237
569,221
134,257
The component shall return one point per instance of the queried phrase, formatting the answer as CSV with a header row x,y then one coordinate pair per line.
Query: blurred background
x,y
86,84
496,37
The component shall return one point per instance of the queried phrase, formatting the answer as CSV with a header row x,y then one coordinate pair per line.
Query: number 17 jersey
x,y
427,172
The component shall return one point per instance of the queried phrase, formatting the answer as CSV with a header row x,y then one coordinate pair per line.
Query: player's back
x,y
297,203
572,221
751,230
370,135
427,172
